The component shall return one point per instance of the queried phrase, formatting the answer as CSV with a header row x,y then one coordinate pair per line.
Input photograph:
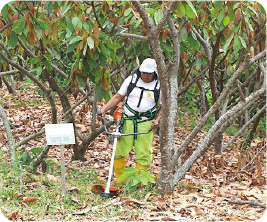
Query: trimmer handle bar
x,y
118,134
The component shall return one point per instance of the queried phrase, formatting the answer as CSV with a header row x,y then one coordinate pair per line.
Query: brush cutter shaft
x,y
112,161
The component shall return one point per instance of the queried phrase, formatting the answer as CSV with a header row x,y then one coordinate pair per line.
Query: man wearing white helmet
x,y
141,112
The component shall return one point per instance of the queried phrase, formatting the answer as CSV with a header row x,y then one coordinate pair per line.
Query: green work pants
x,y
142,145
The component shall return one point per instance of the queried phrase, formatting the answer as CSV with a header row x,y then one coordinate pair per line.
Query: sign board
x,y
59,134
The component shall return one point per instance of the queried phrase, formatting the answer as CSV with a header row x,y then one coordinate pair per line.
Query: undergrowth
x,y
17,185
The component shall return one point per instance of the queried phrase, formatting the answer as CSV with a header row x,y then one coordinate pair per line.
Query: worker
x,y
141,113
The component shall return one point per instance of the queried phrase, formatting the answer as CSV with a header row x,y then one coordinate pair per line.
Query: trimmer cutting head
x,y
100,189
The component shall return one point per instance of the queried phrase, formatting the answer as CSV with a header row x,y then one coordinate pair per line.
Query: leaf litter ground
x,y
204,194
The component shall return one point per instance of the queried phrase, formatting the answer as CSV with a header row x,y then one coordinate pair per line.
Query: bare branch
x,y
205,44
249,202
241,94
29,138
28,51
128,35
233,139
9,73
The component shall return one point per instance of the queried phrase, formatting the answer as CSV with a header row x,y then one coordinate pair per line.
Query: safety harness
x,y
149,114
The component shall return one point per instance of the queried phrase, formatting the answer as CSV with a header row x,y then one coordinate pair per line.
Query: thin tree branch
x,y
205,44
241,94
253,158
9,73
233,139
251,202
166,15
29,138
134,36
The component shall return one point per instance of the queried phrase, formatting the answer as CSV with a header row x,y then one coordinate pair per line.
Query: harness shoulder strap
x,y
133,82
157,92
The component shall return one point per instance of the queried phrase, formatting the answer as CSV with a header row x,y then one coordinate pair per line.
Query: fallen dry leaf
x,y
13,216
30,199
131,200
18,195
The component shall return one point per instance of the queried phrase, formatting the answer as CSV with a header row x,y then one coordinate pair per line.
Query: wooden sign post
x,y
60,134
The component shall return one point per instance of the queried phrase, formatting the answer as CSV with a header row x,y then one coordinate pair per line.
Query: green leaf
x,y
71,47
65,9
242,42
127,12
90,42
103,50
13,39
5,11
19,26
129,169
143,179
98,75
69,24
44,25
190,10
37,150
218,5
228,41
149,176
183,34
226,20
198,63
126,173
138,22
38,31
135,181
158,16
25,159
75,39
180,9
193,43
150,11
114,46
38,71
77,22
221,16
80,80
237,44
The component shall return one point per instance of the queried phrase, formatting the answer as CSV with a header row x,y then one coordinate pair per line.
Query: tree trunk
x,y
10,138
9,86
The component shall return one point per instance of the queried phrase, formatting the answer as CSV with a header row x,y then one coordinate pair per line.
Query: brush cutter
x,y
107,190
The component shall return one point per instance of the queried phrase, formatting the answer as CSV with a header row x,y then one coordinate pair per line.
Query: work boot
x,y
139,167
119,164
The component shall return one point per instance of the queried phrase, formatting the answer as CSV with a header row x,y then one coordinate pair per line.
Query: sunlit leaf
x,y
90,42
19,26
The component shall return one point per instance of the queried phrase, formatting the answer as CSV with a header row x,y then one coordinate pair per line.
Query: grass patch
x,y
16,186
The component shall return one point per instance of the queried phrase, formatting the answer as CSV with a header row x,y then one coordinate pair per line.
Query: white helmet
x,y
148,65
